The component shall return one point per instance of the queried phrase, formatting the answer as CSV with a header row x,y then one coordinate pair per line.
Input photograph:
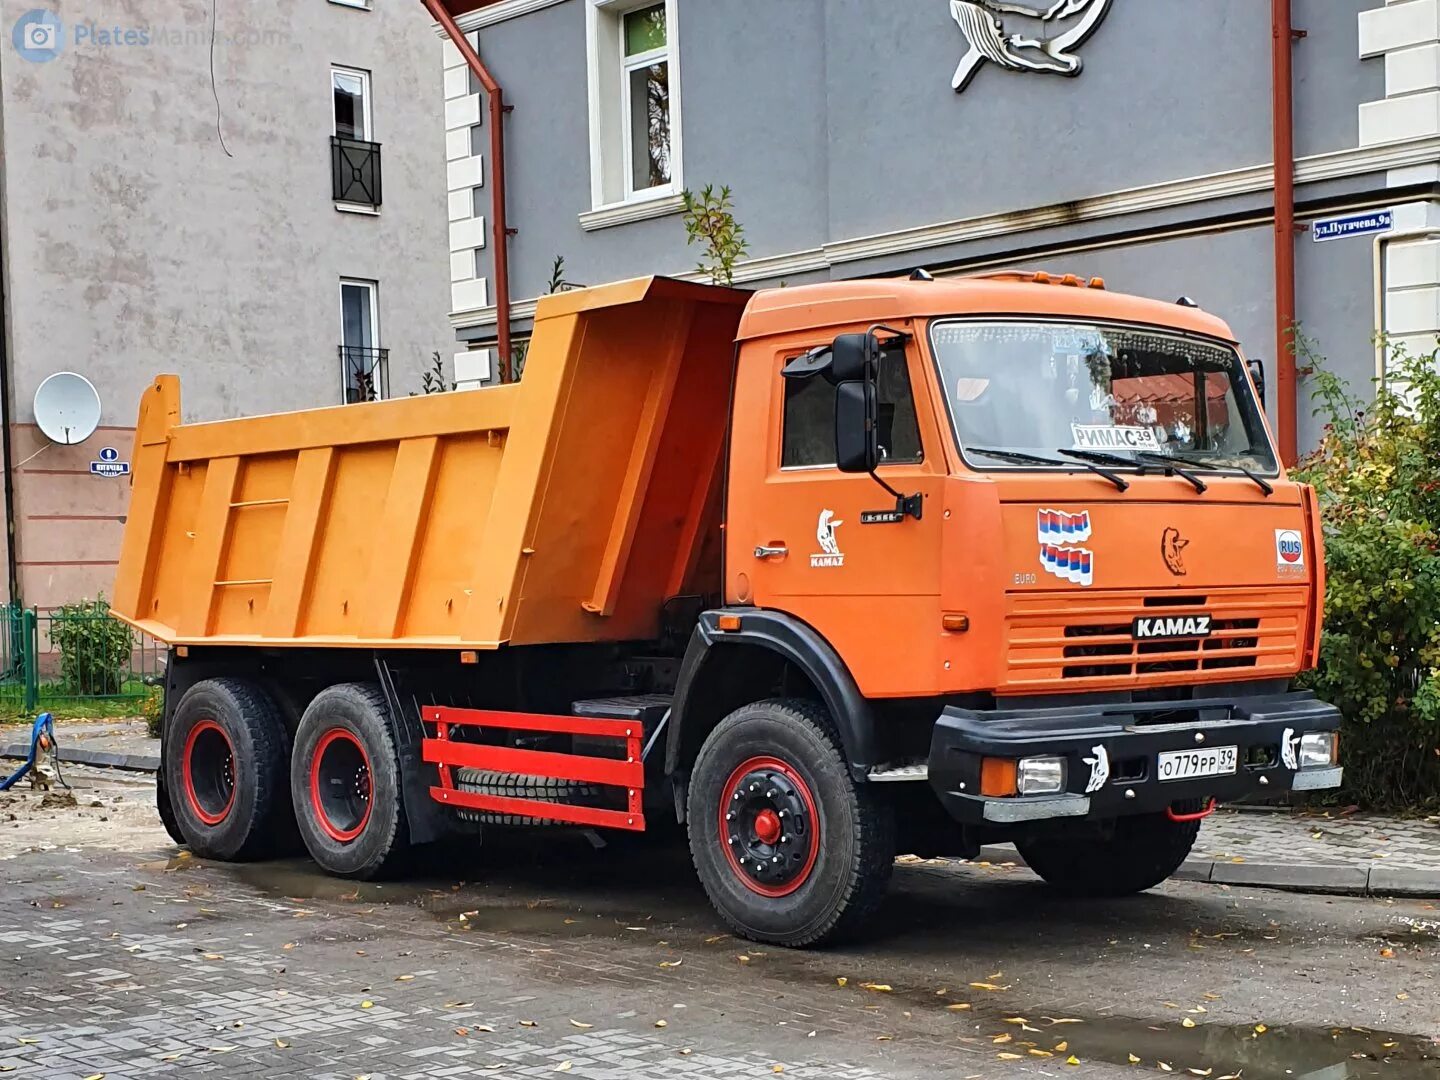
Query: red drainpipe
x,y
1283,125
500,231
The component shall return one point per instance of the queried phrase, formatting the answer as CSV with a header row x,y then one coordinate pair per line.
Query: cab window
x,y
809,432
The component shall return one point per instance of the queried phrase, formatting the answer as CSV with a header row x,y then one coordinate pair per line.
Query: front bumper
x,y
1111,750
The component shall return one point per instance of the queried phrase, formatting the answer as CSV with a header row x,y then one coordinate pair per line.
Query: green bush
x,y
95,648
1377,474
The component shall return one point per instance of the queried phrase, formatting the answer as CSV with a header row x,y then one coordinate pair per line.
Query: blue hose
x,y
43,728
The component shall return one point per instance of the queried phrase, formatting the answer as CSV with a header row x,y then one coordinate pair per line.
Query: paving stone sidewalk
x,y
1309,850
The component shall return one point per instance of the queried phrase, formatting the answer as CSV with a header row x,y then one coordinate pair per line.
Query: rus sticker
x,y
1075,565
1113,437
1289,552
1059,527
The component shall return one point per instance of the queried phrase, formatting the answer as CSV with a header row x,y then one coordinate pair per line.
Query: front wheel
x,y
1137,854
790,849
345,782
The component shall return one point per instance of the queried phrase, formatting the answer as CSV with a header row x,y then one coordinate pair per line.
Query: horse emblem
x,y
983,27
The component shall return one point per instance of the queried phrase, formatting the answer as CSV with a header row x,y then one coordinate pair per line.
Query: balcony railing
x,y
364,373
355,171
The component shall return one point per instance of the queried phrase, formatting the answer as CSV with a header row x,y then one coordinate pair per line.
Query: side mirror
x,y
853,357
1257,375
857,442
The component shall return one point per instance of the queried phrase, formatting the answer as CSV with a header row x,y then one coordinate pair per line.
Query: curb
x,y
70,755
1331,880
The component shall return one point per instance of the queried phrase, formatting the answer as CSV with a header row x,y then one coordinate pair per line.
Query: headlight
x,y
1040,776
1318,749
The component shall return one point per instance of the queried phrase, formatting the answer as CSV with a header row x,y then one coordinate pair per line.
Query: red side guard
x,y
445,752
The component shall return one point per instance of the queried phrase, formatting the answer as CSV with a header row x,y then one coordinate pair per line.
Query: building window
x,y
808,438
633,62
352,103
364,365
354,155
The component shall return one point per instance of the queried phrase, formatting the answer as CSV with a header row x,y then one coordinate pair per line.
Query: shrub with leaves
x,y
95,647
710,220
1377,474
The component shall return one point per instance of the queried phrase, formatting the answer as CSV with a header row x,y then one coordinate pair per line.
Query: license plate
x,y
1190,764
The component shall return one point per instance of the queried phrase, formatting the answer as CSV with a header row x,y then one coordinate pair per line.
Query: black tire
x,y
226,756
517,786
166,811
825,876
1140,853
345,784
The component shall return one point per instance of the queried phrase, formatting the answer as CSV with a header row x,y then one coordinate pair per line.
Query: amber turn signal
x,y
997,777
955,623
728,622
469,656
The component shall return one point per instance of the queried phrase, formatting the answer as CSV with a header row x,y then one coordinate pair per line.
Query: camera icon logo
x,y
39,36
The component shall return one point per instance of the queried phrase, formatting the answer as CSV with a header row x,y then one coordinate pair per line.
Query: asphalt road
x,y
545,955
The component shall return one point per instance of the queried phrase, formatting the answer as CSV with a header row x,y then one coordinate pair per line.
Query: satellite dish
x,y
67,408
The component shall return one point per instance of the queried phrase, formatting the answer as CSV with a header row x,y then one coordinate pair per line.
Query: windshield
x,y
1042,388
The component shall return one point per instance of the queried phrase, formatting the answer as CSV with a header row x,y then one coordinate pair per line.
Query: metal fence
x,y
79,658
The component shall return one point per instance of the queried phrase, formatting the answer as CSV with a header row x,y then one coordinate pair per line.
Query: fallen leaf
x,y
662,1023
777,1068
1133,1059
1187,1023
1009,1057
1061,1047
959,1006
1200,1072
367,1004
288,945
988,986
27,1042
1016,1020
884,1038
1211,997
404,978
1002,1038
743,958
481,1027
581,1026
213,956
1164,1066
281,1044
1260,1029
1402,996
529,1023
671,963
840,980
685,1051
1062,1020
1072,1060
811,1034
1033,1052
1388,953
173,1057
882,988
564,1066
458,1004
95,1076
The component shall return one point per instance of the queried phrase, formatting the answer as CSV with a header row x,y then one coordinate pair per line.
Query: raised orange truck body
x,y
924,563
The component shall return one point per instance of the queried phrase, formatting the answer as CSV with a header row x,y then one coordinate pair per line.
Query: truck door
x,y
808,539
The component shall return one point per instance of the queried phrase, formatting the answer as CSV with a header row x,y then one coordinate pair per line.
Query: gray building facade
x,y
248,195
1130,139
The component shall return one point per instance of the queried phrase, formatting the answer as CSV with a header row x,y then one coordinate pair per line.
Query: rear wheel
x,y
789,848
345,783
1138,854
225,771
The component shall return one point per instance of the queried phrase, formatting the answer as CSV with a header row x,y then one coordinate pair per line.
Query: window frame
x,y
372,287
908,360
366,103
608,70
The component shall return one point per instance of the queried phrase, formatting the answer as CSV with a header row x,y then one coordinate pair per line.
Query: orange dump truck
x,y
825,573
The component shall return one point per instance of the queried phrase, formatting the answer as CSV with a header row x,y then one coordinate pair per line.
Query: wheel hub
x,y
768,826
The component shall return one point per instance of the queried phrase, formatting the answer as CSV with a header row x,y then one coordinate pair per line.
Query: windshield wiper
x,y
1210,466
1034,459
1171,469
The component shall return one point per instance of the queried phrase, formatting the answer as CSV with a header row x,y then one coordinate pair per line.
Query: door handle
x,y
779,551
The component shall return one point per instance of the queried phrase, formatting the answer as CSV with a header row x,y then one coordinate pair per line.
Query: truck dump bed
x,y
565,508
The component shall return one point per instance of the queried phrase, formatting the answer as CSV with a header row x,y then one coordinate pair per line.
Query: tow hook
x,y
1197,816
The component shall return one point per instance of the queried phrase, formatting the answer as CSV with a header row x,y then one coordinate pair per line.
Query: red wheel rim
x,y
207,766
769,826
340,785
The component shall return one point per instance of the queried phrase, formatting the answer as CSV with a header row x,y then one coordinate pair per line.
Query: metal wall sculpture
x,y
983,23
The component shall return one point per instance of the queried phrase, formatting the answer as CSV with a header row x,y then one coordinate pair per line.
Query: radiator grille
x,y
1055,640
